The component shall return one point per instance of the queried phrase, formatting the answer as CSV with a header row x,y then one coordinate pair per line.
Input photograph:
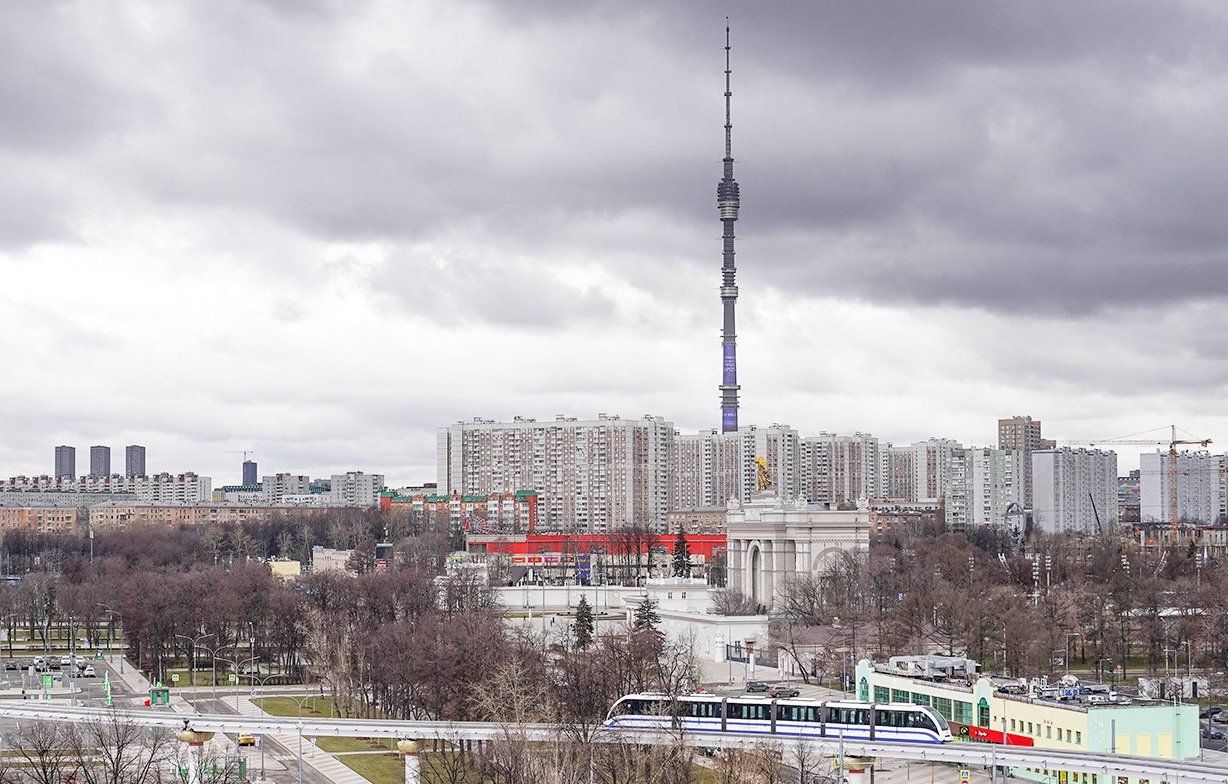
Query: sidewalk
x,y
326,764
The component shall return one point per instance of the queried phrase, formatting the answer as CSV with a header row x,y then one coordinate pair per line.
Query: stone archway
x,y
825,559
754,574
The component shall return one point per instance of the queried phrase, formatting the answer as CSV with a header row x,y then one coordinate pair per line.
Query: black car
x,y
756,686
12,664
1212,733
1207,713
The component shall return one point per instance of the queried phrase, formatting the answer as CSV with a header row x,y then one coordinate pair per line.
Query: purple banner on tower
x,y
730,372
729,419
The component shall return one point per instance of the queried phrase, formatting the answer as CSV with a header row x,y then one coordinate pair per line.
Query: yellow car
x,y
246,739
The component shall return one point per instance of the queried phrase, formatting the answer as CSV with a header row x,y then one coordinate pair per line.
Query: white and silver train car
x,y
789,718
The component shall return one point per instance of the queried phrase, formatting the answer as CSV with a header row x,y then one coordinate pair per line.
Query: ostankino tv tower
x,y
727,206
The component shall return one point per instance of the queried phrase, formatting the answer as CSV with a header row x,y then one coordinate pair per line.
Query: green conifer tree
x,y
682,556
583,626
645,616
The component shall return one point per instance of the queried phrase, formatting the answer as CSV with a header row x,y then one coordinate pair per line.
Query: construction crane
x,y
1172,443
1172,472
244,452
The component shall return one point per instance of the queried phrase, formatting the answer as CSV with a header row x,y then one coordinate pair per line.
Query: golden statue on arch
x,y
763,478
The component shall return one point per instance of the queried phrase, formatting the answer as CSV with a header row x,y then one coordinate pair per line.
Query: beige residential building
x,y
841,470
43,519
124,515
592,475
711,467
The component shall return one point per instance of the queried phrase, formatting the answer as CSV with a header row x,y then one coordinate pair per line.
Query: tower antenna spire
x,y
728,96
727,203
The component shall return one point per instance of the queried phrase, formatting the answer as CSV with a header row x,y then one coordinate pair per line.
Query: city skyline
x,y
941,236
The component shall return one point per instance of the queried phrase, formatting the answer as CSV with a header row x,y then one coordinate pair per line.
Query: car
x,y
1212,733
781,691
41,666
1207,713
65,660
79,660
12,664
245,739
89,672
1221,717
754,686
53,663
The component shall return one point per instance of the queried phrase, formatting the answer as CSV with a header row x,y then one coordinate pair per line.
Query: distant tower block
x,y
250,476
727,203
100,461
65,462
134,460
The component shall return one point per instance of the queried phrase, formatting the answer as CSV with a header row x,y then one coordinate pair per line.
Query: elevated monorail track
x,y
1159,771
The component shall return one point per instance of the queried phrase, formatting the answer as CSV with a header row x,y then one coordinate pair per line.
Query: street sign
x,y
174,677
965,775
232,678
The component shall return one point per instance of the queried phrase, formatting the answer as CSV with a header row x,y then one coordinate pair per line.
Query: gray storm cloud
x,y
544,172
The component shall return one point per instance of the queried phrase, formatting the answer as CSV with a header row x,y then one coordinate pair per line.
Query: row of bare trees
x,y
1105,604
106,750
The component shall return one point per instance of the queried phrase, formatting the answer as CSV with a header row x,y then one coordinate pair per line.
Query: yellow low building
x,y
286,570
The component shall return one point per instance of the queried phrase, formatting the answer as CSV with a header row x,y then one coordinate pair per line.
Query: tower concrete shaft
x,y
727,203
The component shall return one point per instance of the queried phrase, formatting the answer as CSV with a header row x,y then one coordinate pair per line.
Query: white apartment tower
x,y
590,475
273,489
711,467
981,483
354,488
931,461
901,473
844,469
1200,487
1074,490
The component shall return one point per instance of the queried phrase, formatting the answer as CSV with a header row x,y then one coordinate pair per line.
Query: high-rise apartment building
x,y
65,462
1074,490
711,467
134,460
250,477
931,462
844,469
1200,487
354,488
901,473
1022,433
594,475
100,461
981,484
274,489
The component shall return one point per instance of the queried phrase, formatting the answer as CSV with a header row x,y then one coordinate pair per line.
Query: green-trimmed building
x,y
979,710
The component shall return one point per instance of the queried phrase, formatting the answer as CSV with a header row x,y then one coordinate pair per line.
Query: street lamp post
x,y
301,701
213,657
12,630
195,641
111,634
237,665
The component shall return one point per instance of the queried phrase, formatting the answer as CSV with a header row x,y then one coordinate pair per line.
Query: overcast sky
x,y
321,230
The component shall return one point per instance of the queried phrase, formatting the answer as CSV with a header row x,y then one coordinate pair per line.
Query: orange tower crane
x,y
1173,443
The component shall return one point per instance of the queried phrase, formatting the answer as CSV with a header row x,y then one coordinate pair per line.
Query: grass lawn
x,y
377,768
333,745
314,707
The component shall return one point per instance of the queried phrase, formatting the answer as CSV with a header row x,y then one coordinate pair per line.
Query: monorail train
x,y
796,718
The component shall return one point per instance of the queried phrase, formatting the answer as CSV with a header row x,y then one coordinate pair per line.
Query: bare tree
x,y
731,601
44,749
110,750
